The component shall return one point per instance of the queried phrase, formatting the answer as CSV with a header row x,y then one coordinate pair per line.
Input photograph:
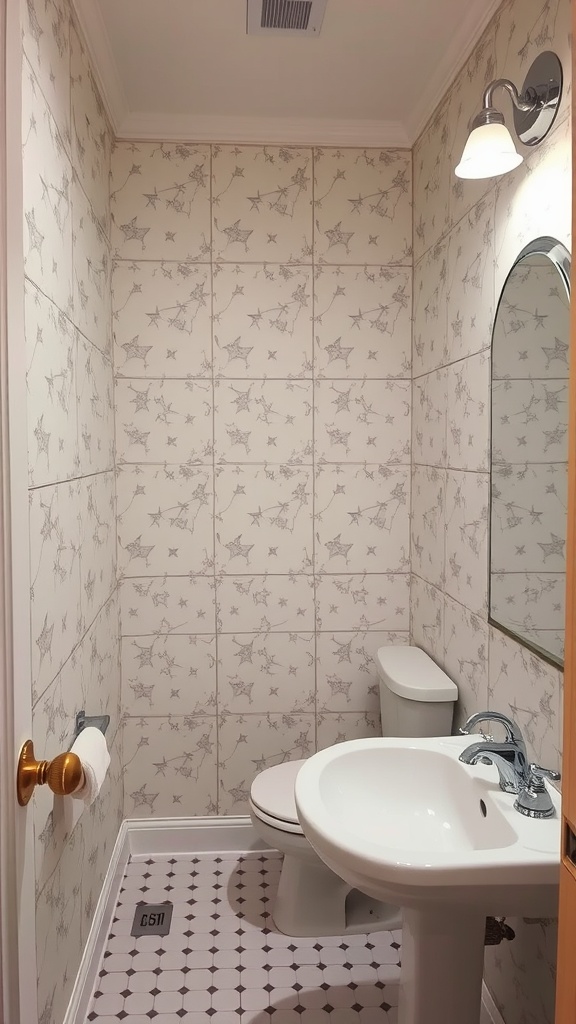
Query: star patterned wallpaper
x,y
74,608
222,366
261,315
467,235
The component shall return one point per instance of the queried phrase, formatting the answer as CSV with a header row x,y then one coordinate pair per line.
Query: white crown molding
x,y
462,43
269,130
262,130
104,64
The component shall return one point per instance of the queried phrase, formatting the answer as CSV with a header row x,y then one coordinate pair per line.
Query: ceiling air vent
x,y
285,17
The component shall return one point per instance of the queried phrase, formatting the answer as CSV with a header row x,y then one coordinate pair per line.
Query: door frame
x,y
18,976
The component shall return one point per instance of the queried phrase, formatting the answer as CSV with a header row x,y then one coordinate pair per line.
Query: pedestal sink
x,y
406,822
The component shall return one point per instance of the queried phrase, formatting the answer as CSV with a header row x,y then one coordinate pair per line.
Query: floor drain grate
x,y
152,919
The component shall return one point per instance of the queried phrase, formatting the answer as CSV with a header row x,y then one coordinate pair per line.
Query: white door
x,y
17,875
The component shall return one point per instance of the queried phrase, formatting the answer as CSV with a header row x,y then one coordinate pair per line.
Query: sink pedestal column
x,y
442,966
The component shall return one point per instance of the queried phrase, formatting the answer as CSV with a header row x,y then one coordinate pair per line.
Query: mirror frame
x,y
560,257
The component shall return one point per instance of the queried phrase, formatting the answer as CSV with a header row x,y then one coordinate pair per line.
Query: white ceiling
x,y
186,68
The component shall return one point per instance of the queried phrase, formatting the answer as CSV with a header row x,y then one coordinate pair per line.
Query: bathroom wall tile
x,y
164,421
46,43
432,175
95,385
99,660
370,601
347,678
532,201
430,343
162,605
261,198
524,979
263,421
55,589
430,403
336,727
532,605
92,269
58,929
91,134
427,618
362,211
362,322
525,538
356,418
170,766
427,529
100,828
51,357
265,603
262,320
466,658
250,743
272,672
165,520
525,328
467,496
53,725
97,542
468,433
47,181
263,519
465,102
90,681
470,282
530,415
161,318
524,687
160,198
169,675
360,520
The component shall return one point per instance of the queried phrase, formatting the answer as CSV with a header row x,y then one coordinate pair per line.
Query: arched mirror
x,y
529,449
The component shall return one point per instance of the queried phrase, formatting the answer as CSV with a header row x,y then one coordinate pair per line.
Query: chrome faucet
x,y
508,756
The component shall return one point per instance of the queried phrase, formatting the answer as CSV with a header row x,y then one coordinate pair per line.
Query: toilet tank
x,y
416,696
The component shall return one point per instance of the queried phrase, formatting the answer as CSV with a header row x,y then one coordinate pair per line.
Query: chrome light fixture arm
x,y
527,101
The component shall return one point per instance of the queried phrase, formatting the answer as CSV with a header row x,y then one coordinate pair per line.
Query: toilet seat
x,y
272,797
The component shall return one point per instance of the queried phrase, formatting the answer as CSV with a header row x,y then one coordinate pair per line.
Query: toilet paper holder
x,y
63,774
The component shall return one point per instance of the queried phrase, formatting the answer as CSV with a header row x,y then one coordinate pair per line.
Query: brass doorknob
x,y
63,774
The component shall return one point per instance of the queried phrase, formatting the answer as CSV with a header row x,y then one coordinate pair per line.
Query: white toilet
x,y
416,699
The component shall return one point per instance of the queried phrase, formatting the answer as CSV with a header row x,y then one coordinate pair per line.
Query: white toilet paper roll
x,y
91,748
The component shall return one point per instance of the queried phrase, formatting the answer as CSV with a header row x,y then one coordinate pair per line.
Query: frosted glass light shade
x,y
489,151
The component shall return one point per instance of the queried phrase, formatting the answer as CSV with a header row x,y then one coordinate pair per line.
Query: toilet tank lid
x,y
410,673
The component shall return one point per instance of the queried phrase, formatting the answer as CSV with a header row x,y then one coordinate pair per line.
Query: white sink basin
x,y
406,822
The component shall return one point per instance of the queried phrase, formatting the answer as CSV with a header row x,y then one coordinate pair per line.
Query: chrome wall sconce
x,y
490,149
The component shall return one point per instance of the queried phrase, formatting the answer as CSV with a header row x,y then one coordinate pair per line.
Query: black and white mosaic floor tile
x,y
224,962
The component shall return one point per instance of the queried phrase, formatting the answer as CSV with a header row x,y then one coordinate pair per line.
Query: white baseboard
x,y
96,941
139,838
161,837
490,1013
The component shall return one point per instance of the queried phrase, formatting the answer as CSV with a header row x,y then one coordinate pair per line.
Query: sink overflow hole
x,y
483,808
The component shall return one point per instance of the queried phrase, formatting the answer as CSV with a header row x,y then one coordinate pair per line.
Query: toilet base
x,y
313,901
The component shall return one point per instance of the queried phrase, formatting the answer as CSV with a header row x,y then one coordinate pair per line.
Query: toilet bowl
x,y
416,699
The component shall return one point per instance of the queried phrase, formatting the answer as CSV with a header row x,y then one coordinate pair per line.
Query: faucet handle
x,y
534,800
537,774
